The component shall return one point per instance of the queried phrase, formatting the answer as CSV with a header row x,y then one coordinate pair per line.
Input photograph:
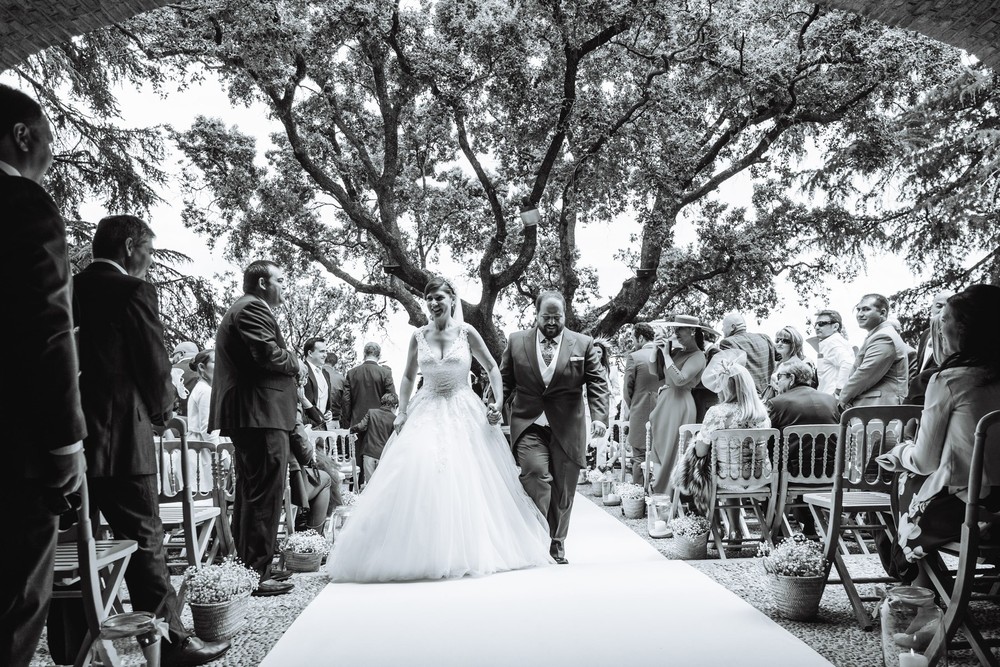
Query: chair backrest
x,y
866,433
808,453
740,457
687,433
225,460
339,444
987,437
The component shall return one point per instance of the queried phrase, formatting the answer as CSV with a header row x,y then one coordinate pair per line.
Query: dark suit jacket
x,y
311,390
377,427
920,372
124,370
363,390
42,410
562,401
254,383
336,390
805,405
639,393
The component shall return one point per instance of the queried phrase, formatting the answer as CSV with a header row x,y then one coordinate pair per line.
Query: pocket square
x,y
576,358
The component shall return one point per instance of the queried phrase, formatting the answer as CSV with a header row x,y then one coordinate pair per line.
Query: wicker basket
x,y
302,562
634,508
222,620
797,598
692,548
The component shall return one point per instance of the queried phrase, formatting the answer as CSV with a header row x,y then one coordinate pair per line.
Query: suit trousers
x,y
131,506
549,477
28,565
261,470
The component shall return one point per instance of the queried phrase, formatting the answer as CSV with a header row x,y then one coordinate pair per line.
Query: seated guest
x,y
799,403
200,399
309,484
377,425
929,504
790,344
738,407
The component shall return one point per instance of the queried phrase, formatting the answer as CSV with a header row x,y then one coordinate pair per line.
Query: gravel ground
x,y
834,634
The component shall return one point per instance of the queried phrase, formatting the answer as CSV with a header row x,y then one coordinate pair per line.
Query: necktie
x,y
548,350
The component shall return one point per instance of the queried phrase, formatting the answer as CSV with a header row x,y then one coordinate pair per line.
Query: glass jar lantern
x,y
910,619
658,515
129,640
608,494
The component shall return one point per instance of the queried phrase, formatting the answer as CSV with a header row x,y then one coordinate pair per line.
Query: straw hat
x,y
685,321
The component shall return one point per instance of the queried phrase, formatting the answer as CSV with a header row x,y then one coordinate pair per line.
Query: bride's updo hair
x,y
438,283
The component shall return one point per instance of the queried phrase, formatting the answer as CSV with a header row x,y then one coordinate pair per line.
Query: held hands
x,y
397,425
493,414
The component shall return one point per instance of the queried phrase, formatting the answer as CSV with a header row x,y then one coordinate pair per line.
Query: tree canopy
x,y
412,133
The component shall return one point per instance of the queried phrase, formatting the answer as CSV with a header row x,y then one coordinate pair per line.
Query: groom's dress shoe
x,y
560,560
272,587
192,651
280,575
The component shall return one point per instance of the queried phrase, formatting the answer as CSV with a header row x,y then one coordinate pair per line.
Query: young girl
x,y
738,407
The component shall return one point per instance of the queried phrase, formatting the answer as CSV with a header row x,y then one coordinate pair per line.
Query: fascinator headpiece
x,y
722,367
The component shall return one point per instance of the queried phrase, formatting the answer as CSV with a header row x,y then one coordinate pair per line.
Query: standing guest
x,y
317,389
125,387
797,402
639,393
336,385
200,400
377,427
254,401
678,362
42,413
929,351
789,344
739,407
836,356
364,387
545,368
878,376
929,504
761,354
183,378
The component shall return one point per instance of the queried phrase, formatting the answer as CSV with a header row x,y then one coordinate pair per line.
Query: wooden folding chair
x,y
340,445
90,569
956,586
739,471
809,469
189,525
860,490
208,482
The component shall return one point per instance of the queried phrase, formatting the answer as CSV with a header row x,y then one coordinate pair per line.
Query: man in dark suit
x,y
318,385
45,427
798,403
336,384
126,390
364,387
762,357
254,400
545,370
639,394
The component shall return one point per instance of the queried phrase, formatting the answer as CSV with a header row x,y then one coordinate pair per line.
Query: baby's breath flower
x,y
689,525
632,491
306,542
795,557
212,584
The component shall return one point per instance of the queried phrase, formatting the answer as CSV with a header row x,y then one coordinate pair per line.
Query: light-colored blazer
x,y
879,374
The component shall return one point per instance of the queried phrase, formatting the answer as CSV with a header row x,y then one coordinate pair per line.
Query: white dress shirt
x,y
322,388
547,370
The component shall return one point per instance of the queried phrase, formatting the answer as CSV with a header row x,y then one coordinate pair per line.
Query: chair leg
x,y
864,618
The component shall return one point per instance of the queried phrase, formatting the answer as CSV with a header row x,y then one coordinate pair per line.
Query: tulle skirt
x,y
445,501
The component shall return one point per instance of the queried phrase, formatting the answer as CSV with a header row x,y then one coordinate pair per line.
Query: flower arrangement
x,y
212,584
629,491
306,542
595,476
349,498
795,557
689,525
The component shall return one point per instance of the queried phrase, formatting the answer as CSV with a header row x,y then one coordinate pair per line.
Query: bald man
x,y
929,354
761,355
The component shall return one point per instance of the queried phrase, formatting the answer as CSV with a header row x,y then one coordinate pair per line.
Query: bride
x,y
446,501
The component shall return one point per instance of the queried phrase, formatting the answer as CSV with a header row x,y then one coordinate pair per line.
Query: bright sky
x,y
886,275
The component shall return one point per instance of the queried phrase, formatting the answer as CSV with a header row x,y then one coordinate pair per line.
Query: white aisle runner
x,y
618,602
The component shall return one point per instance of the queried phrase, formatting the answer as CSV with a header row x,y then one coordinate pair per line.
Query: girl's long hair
x,y
976,315
739,388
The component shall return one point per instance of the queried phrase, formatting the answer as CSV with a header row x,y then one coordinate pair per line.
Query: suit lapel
x,y
565,352
528,343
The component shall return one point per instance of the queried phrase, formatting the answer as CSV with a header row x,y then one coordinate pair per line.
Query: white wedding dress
x,y
446,500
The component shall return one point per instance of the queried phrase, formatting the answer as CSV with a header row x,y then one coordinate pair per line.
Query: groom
x,y
544,370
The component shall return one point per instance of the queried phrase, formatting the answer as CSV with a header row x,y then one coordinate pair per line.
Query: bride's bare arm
x,y
406,384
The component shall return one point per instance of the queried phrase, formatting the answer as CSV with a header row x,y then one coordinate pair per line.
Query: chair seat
x,y
107,552
854,501
174,516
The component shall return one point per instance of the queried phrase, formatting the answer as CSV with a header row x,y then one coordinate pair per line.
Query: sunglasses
x,y
787,341
784,375
825,323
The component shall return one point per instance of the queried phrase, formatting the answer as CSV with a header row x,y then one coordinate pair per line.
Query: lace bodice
x,y
443,376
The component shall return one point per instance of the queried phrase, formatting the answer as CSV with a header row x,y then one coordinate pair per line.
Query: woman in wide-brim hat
x,y
678,361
